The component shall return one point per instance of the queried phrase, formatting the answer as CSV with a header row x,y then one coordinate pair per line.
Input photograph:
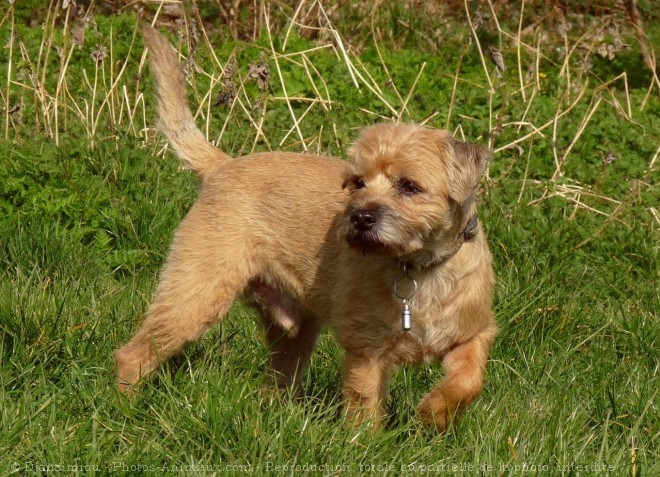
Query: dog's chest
x,y
432,330
428,338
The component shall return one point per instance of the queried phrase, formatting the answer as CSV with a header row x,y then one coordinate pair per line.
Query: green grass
x,y
89,203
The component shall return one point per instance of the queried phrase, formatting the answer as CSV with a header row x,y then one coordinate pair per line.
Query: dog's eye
x,y
408,187
359,183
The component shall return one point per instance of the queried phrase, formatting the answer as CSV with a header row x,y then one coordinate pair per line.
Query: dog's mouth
x,y
367,243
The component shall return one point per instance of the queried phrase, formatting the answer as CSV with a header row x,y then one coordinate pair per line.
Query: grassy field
x,y
90,198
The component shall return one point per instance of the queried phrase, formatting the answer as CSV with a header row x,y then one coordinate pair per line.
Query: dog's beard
x,y
386,238
367,242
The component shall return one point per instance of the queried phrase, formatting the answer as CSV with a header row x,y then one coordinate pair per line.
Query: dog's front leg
x,y
464,374
365,385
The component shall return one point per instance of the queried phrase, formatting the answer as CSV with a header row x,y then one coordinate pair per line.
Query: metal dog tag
x,y
406,316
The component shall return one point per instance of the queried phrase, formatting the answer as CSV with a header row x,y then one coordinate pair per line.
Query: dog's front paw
x,y
435,412
357,414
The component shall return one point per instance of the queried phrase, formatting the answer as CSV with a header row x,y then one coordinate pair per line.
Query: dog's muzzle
x,y
364,219
363,231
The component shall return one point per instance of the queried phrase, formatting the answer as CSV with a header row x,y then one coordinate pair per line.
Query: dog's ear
x,y
465,166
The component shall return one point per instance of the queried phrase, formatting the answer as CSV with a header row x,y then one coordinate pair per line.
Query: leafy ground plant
x,y
568,100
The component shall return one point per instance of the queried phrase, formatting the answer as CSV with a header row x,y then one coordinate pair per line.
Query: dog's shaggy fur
x,y
313,241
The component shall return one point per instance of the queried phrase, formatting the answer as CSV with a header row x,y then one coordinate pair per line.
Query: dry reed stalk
x,y
353,71
410,93
44,54
565,68
558,115
325,103
520,75
377,115
452,99
530,147
296,125
9,71
428,118
583,125
481,53
282,82
292,21
390,80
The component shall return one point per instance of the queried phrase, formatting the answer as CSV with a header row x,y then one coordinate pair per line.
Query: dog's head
x,y
411,189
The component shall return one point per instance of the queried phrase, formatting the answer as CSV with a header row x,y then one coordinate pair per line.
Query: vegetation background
x,y
567,96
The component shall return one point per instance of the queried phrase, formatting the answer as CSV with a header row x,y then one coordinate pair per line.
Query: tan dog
x,y
360,246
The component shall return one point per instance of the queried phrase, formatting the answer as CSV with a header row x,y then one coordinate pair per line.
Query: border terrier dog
x,y
385,249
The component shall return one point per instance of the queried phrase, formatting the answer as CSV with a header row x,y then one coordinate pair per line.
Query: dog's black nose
x,y
364,219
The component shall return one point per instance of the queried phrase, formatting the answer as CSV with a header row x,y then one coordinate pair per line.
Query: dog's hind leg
x,y
196,289
290,334
290,352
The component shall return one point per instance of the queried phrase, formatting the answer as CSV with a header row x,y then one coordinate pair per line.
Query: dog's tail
x,y
176,120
